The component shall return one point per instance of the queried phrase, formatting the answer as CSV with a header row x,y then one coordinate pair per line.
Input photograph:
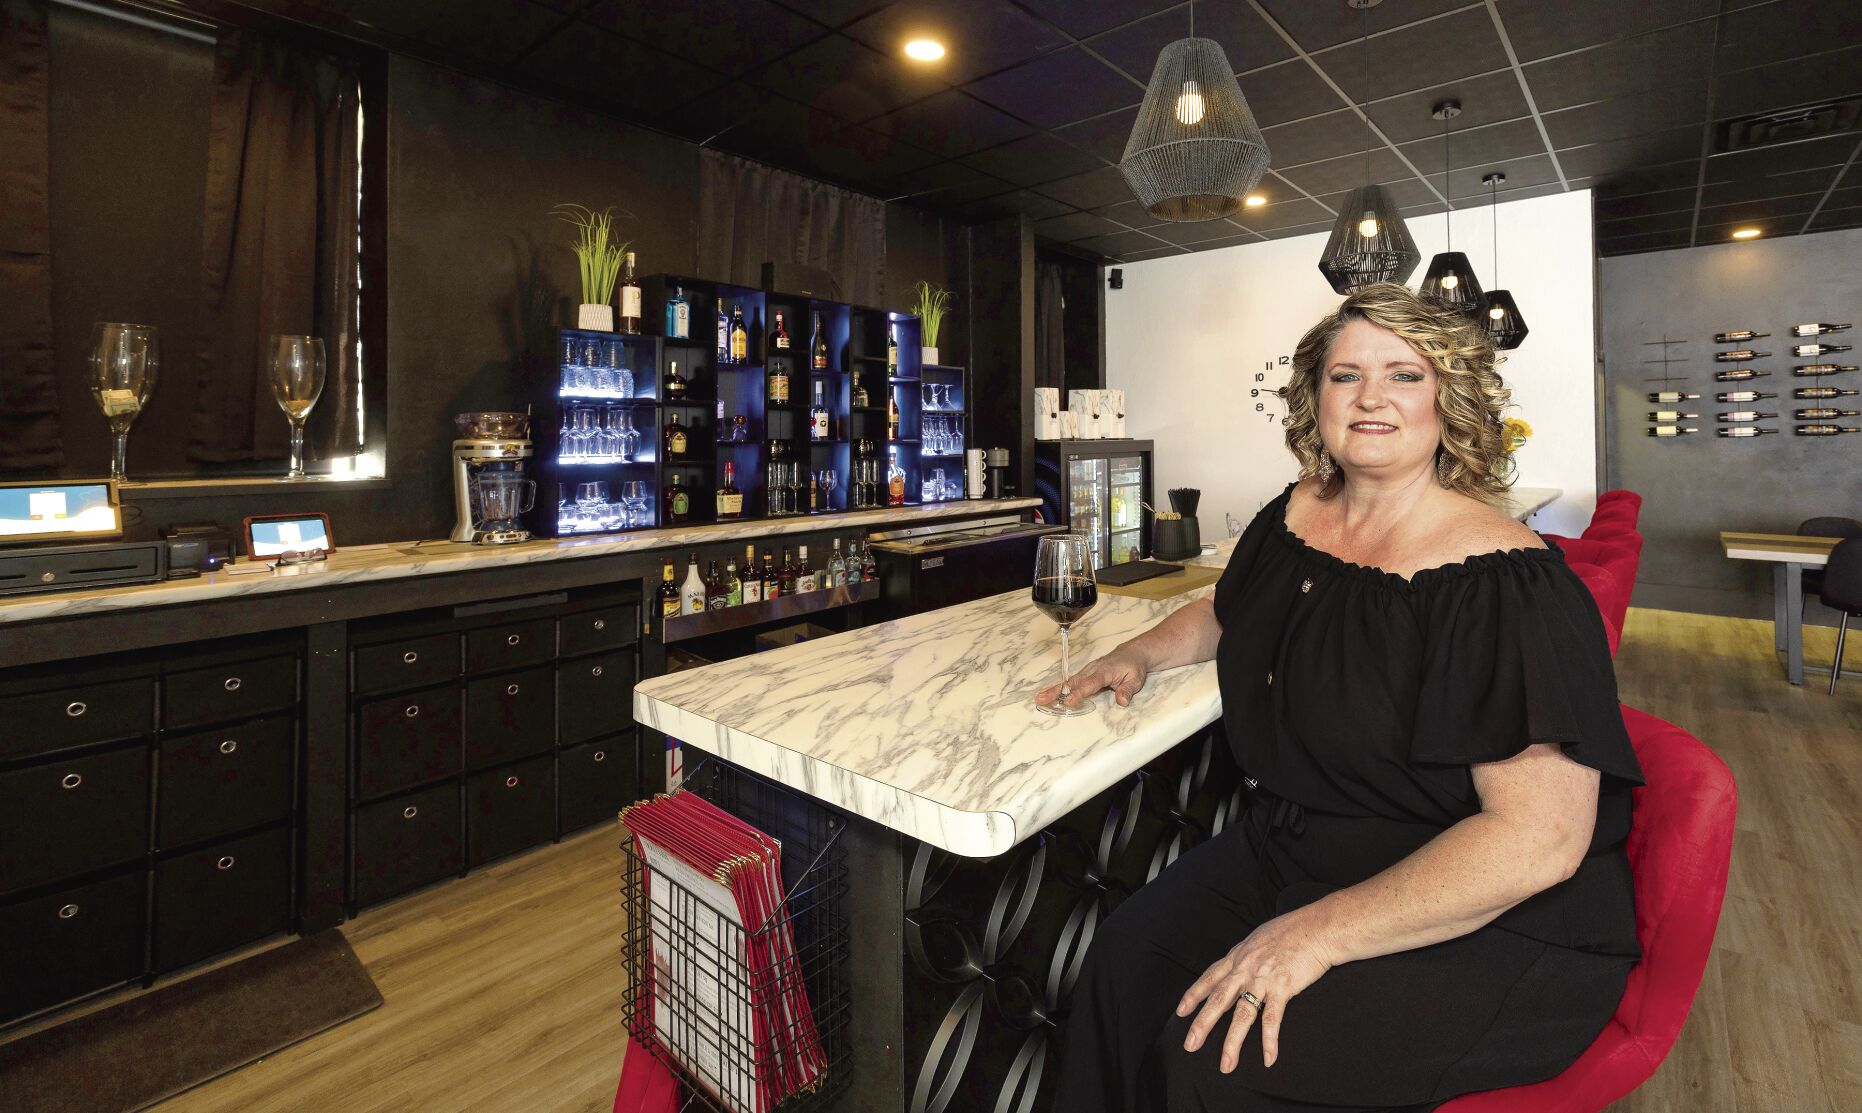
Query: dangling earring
x,y
1325,470
1444,463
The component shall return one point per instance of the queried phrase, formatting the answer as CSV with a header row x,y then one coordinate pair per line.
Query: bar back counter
x,y
190,766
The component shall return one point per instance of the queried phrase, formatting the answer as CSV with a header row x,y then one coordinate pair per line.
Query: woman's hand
x,y
1275,963
1123,670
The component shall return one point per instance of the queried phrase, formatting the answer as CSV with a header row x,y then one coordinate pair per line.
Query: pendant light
x,y
1505,327
1370,242
1450,278
1195,150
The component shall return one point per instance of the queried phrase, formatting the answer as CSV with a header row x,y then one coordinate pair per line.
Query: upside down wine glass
x,y
124,360
1064,590
297,368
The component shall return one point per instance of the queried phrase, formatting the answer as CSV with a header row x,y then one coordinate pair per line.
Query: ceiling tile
x,y
1829,220
760,30
1104,136
1645,204
1520,174
1288,91
1768,33
1784,84
1118,243
1159,252
1038,158
842,77
1653,149
1283,214
1104,186
1625,245
833,13
1418,56
718,110
516,29
1237,239
1319,137
1248,42
1300,230
1129,213
1771,185
1723,232
1748,212
1678,105
1075,226
1404,194
1616,228
1483,147
1195,232
946,183
1083,19
1538,28
952,124
1318,24
813,142
1028,203
979,36
1614,182
1338,174
1782,158
1626,66
1058,88
1487,99
605,70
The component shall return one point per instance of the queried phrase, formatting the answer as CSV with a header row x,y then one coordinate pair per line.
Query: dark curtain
x,y
28,390
750,214
280,246
1050,329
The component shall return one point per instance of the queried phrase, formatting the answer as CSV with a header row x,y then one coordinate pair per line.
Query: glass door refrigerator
x,y
1099,488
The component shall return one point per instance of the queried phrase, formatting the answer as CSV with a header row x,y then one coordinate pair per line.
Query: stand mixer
x,y
490,491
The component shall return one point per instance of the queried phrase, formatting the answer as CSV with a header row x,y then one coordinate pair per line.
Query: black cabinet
x,y
220,897
510,809
596,630
227,692
218,782
407,740
76,715
407,841
65,817
510,645
70,942
597,696
406,663
509,716
596,780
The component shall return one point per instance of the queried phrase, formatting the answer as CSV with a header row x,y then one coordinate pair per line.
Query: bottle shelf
x,y
607,399
604,461
782,608
940,455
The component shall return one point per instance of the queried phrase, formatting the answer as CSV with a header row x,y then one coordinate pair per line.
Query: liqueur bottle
x,y
772,582
717,591
859,398
1670,416
675,385
1743,395
778,385
678,315
1823,392
1814,350
869,569
785,576
805,578
1738,336
1739,374
668,592
892,419
1671,396
818,416
1810,370
1744,431
740,336
837,567
819,360
892,350
730,499
692,594
1824,430
678,440
733,585
1824,413
630,297
1671,430
724,334
753,583
1740,355
895,481
1815,330
678,501
1744,415
779,336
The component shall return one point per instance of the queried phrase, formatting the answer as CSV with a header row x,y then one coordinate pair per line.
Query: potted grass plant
x,y
931,306
599,255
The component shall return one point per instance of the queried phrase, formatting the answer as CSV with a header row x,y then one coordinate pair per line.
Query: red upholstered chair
x,y
1680,847
1608,593
1611,520
1620,494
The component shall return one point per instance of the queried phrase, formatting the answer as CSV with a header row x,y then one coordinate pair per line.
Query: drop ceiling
x,y
1029,111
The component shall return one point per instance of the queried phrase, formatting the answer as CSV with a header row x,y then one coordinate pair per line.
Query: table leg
x,y
1794,622
1777,607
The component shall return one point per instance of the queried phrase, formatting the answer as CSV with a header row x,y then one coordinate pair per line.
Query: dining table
x,y
1789,554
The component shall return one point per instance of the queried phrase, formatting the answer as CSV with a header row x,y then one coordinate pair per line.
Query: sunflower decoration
x,y
1517,432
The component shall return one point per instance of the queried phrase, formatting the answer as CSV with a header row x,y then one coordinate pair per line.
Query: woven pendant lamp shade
x,y
1369,244
1505,327
1195,150
1450,280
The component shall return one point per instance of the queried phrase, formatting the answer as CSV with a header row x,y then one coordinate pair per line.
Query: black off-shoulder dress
x,y
1358,700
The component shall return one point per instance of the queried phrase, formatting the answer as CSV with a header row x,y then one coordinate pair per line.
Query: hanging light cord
x,y
1192,19
1493,204
1448,213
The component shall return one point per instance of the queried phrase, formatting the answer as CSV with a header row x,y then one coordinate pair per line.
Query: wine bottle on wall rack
x,y
1812,350
1744,431
1739,374
1671,430
1739,355
1742,395
1824,430
1807,370
1671,396
1824,413
1744,415
1823,392
1738,336
1670,416
1815,330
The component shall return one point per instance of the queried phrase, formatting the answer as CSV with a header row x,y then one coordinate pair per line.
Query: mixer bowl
x,y
509,426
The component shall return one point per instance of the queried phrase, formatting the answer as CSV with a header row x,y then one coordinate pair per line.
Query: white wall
x,y
1186,335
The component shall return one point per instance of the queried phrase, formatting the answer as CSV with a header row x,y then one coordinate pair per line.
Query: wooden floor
x,y
503,990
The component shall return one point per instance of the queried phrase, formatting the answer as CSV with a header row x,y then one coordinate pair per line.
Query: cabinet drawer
x,y
219,781
412,663
596,780
407,740
62,818
226,693
407,842
510,646
510,809
80,715
510,716
68,943
597,696
220,897
608,628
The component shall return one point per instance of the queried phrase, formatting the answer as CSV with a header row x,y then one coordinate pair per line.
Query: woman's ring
x,y
1253,1000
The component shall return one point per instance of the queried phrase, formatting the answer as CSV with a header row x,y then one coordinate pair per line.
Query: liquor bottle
x,y
675,385
668,592
740,336
1671,396
1743,395
630,297
869,569
733,584
1744,431
692,595
724,334
1824,413
1813,350
730,499
892,418
785,575
1807,370
814,493
1823,392
1671,430
753,583
1670,416
678,501
837,568
1739,374
772,583
717,592
678,315
805,578
895,481
1744,415
779,336
1824,430
1815,330
778,385
1740,355
1737,336
818,416
858,390
819,360
892,350
678,440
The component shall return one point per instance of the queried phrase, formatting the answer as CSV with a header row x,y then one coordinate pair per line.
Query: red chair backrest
x,y
1680,848
1608,593
1620,494
1610,520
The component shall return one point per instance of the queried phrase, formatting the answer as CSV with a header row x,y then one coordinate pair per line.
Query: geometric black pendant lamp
x,y
1505,327
1370,242
1450,279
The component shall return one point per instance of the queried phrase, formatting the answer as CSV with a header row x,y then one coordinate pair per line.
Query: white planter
x,y
928,355
596,318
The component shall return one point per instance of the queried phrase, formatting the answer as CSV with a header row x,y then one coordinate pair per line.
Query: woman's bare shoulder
x,y
1469,528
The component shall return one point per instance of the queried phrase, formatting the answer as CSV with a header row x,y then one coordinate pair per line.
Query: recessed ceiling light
x,y
1747,233
924,50
1255,201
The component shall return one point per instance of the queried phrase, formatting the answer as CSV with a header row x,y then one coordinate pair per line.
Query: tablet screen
x,y
288,535
34,511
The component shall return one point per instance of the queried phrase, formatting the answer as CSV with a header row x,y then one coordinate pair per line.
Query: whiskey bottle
x,y
675,385
1670,430
740,336
805,578
779,336
1824,413
1739,355
692,593
1737,336
785,576
818,416
1815,330
717,591
678,501
1823,392
1814,350
892,418
895,482
753,582
1671,396
1807,370
1739,374
1742,395
778,385
668,592
819,360
730,499
858,391
1824,430
1670,416
678,315
892,350
733,585
678,441
1744,415
630,297
1744,431
724,334
772,580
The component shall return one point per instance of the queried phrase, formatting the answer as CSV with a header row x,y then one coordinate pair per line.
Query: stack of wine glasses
x,y
593,368
598,435
590,508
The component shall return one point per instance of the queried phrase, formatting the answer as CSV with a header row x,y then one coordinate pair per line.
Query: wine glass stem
x,y
1066,664
119,456
297,451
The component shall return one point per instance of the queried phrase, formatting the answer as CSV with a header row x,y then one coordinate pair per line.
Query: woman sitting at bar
x,y
1428,895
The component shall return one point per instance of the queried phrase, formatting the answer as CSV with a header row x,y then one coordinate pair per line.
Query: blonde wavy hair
x,y
1469,394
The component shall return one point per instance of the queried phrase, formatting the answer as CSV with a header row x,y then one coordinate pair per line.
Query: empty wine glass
x,y
297,367
124,362
1064,590
634,495
630,436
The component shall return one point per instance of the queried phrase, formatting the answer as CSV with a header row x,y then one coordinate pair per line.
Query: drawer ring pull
x,y
409,657
513,639
510,689
510,782
232,684
228,746
412,711
76,707
67,911
409,812
601,624
225,862
596,671
72,780
601,755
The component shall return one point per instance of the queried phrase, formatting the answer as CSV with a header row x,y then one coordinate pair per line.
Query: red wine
x,y
1740,335
1065,599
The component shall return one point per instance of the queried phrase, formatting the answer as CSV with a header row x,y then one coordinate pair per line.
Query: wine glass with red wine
x,y
1064,590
